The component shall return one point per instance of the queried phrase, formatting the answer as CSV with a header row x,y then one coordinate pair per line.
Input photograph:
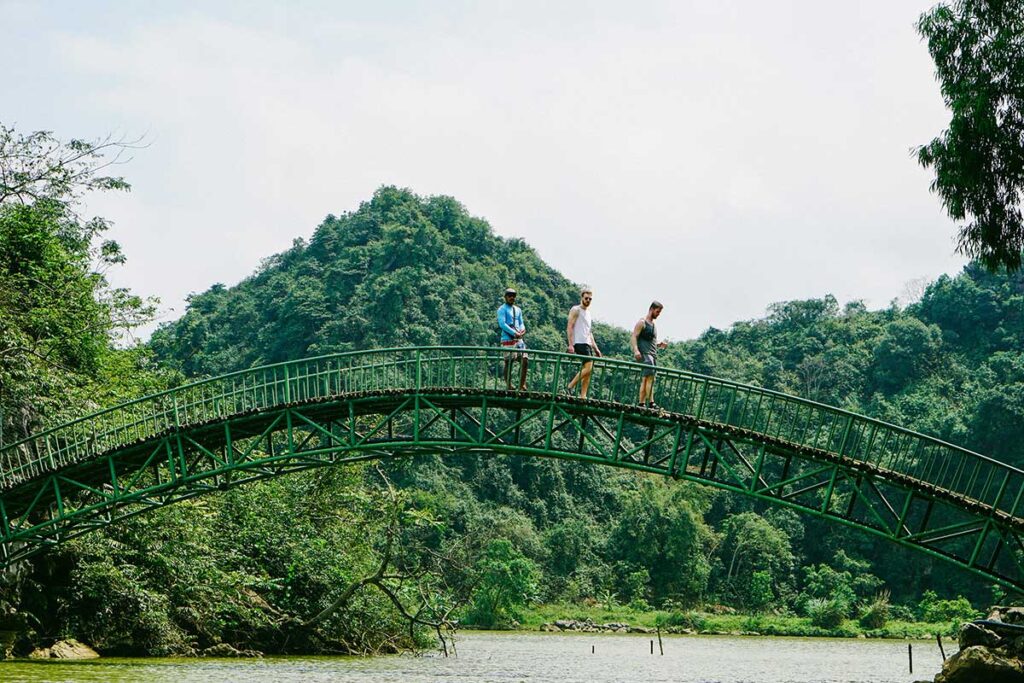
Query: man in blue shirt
x,y
510,320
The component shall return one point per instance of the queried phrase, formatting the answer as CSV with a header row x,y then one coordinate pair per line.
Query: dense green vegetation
x,y
726,621
376,558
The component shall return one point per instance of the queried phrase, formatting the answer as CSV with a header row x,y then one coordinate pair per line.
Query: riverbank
x,y
544,617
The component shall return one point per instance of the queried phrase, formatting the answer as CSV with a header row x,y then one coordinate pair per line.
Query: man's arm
x,y
637,329
568,328
593,345
503,324
522,325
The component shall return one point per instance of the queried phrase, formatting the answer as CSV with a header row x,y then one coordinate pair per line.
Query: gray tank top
x,y
647,340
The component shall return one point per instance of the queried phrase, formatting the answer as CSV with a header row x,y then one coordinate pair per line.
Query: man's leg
x,y
524,362
585,378
508,371
645,390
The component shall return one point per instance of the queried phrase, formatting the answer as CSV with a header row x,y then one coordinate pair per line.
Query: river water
x,y
541,658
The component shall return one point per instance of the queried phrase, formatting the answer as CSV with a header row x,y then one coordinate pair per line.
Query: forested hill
x,y
401,270
407,270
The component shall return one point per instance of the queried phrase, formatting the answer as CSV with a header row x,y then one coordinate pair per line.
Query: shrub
x,y
932,609
901,613
827,614
760,594
875,614
690,620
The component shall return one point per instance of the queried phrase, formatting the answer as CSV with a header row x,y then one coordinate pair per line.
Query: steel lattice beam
x,y
908,488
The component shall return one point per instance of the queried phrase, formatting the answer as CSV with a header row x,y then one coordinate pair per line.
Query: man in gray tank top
x,y
645,349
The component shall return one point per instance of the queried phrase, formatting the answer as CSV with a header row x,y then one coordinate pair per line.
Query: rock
x,y
72,649
973,634
641,629
65,649
552,628
573,625
1014,647
1009,615
976,664
228,650
615,627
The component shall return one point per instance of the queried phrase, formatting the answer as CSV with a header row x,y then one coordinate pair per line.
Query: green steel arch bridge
x,y
912,489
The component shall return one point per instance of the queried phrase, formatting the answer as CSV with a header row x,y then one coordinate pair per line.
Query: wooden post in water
x,y
591,649
661,648
910,656
652,646
938,637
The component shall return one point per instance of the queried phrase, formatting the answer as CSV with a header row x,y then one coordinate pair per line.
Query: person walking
x,y
645,349
581,341
510,320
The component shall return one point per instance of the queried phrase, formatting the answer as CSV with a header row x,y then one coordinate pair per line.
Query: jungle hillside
x,y
394,555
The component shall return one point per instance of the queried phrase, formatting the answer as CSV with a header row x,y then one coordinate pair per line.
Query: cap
x,y
510,291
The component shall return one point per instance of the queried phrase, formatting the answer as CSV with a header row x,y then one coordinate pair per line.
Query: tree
x,y
506,581
904,353
978,49
660,528
40,168
752,552
57,312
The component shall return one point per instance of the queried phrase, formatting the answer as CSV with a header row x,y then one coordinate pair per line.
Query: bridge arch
x,y
909,488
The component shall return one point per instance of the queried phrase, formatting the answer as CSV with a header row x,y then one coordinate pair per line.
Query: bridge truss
x,y
911,489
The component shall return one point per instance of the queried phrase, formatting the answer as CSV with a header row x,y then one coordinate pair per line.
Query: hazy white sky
x,y
719,156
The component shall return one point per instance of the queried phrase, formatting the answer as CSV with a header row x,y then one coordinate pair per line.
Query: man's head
x,y
510,296
586,296
655,309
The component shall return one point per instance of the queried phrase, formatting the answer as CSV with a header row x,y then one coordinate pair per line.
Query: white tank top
x,y
581,328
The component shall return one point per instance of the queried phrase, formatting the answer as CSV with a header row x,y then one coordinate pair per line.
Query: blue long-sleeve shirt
x,y
510,320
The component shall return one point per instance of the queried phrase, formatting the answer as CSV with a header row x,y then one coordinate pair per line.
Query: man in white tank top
x,y
581,341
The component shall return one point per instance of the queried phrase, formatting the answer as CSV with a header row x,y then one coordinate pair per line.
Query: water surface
x,y
540,658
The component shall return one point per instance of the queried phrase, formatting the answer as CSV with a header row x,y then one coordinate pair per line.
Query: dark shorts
x,y
651,362
584,350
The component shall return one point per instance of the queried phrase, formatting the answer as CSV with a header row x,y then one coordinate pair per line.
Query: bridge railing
x,y
760,411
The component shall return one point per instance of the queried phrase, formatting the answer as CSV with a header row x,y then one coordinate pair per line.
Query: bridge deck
x,y
911,488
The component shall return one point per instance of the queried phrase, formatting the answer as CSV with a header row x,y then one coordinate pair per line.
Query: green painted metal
x,y
909,488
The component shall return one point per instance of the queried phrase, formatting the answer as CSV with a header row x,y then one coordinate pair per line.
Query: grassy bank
x,y
704,622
